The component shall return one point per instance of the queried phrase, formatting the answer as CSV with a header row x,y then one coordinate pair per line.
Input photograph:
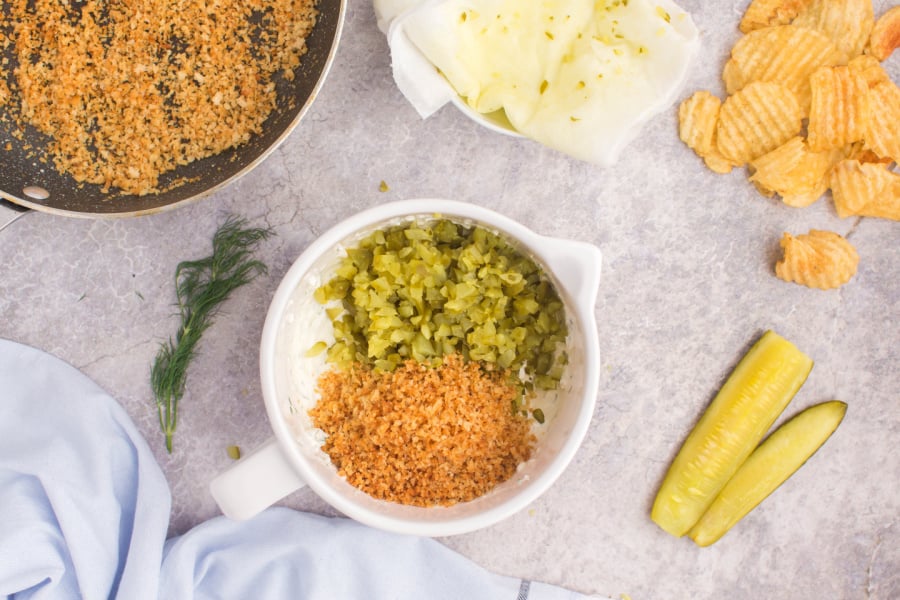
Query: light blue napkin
x,y
282,553
84,510
84,507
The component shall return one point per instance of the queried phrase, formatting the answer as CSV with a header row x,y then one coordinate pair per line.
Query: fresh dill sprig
x,y
201,286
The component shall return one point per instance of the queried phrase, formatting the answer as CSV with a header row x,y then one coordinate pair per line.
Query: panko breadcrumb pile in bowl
x,y
431,366
443,336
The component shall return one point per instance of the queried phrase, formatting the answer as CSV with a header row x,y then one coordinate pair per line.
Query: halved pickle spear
x,y
756,392
768,467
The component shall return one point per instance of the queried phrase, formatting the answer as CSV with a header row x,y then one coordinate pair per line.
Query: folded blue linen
x,y
84,507
84,510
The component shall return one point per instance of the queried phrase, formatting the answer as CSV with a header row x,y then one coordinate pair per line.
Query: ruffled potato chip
x,y
847,22
882,133
819,61
883,127
785,54
718,163
839,112
865,189
766,13
886,34
756,120
733,76
818,259
697,118
795,173
859,151
870,69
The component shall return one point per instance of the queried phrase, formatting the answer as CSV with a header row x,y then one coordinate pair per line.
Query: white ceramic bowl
x,y
496,121
292,458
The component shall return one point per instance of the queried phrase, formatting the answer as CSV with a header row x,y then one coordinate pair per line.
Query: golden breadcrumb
x,y
423,435
130,89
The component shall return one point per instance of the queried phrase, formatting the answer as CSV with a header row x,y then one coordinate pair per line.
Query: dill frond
x,y
201,286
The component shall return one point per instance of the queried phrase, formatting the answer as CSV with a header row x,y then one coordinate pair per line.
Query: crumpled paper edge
x,y
427,90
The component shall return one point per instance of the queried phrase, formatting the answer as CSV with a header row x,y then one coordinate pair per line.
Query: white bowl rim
x,y
297,458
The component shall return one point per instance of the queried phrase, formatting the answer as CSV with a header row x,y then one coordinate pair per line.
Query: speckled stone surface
x,y
687,285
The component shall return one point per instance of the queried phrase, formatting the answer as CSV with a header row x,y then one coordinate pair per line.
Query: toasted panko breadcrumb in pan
x,y
130,89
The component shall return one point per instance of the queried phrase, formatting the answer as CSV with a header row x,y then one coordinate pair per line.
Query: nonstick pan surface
x,y
25,180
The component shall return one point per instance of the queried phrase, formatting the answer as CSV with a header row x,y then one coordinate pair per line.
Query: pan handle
x,y
10,212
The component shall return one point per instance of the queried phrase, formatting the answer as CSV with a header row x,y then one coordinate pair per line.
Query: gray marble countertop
x,y
688,283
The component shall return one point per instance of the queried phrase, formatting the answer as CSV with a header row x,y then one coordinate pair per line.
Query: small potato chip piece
x,y
756,120
804,199
718,163
859,151
733,76
865,189
885,34
785,54
847,22
697,117
818,259
798,175
839,112
882,138
870,69
766,13
883,127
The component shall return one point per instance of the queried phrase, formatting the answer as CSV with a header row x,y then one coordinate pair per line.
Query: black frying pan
x,y
24,180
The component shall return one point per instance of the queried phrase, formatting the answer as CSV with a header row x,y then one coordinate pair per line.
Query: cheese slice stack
x,y
579,76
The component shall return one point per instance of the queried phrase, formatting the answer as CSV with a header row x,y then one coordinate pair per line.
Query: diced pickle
x,y
427,290
317,349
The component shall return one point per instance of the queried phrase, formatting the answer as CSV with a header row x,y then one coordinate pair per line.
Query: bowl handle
x,y
255,482
577,266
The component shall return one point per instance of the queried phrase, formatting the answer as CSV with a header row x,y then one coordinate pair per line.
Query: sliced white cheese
x,y
580,76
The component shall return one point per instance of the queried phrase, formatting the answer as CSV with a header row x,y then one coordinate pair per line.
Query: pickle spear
x,y
756,392
776,459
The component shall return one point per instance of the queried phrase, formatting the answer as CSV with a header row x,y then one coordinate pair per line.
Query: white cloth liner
x,y
84,510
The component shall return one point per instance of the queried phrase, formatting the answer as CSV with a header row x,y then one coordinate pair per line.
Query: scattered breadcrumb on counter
x,y
130,90
422,435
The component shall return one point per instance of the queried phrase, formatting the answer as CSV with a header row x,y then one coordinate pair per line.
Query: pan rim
x,y
212,189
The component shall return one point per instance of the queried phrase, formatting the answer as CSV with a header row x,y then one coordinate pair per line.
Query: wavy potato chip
x,y
766,13
885,34
882,138
862,153
865,189
809,107
839,111
784,54
883,127
818,259
756,120
718,163
847,22
869,67
697,118
795,173
733,77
